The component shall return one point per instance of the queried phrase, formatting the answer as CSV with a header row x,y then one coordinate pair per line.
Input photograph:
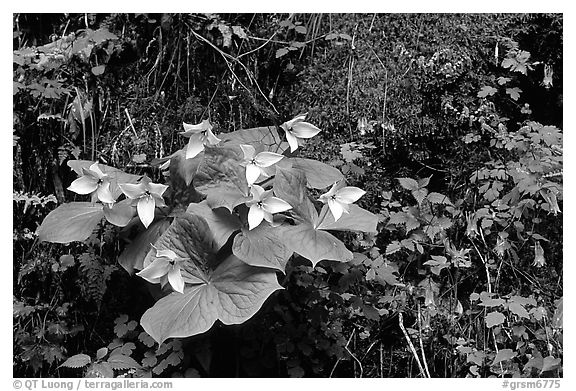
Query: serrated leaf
x,y
281,52
420,195
408,183
514,93
486,91
494,319
504,355
77,361
262,246
74,221
146,339
437,198
393,247
121,361
233,294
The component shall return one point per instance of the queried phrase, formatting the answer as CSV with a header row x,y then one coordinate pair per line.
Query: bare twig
x,y
410,344
421,343
130,121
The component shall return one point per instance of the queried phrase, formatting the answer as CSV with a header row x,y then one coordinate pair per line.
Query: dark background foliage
x,y
391,88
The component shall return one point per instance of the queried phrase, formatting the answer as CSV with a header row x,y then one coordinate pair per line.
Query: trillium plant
x,y
222,218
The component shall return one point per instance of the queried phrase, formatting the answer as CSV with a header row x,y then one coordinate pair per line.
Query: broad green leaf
x,y
77,361
233,294
262,246
315,245
186,169
357,220
224,194
408,183
518,309
266,136
133,255
550,363
121,213
514,93
290,186
494,319
504,355
101,353
221,164
222,223
70,222
318,175
189,237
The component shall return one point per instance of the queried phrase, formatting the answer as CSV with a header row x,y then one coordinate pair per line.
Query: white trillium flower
x,y
263,205
339,198
255,162
148,194
167,263
93,180
296,128
199,135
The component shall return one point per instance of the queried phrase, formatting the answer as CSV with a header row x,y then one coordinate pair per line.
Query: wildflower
x,y
263,205
339,198
148,194
93,180
539,260
255,162
296,128
199,135
167,263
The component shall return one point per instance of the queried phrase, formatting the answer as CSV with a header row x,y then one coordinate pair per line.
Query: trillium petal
x,y
298,118
155,270
145,208
349,194
268,217
248,151
324,197
255,216
292,140
157,188
335,208
166,254
211,139
131,190
252,173
195,146
175,279
95,169
266,159
304,130
257,192
275,205
104,193
197,128
83,185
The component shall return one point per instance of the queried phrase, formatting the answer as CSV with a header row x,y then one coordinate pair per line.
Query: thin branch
x,y
410,344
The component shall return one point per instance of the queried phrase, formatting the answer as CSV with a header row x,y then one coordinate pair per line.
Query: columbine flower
x,y
263,205
296,128
199,135
167,263
539,260
93,180
339,198
255,162
148,194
